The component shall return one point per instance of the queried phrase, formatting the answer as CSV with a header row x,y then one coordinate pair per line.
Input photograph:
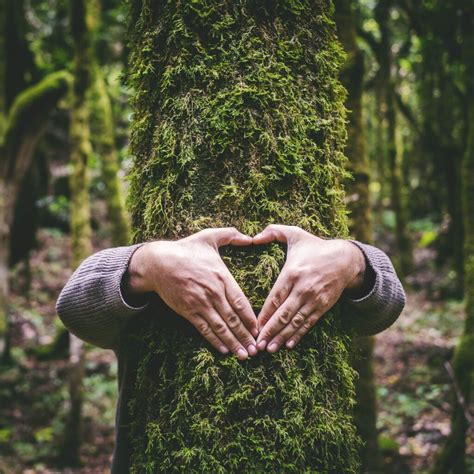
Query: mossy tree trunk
x,y
452,458
239,120
103,139
82,21
357,189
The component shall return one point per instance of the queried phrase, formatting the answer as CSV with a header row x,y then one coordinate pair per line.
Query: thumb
x,y
275,233
227,236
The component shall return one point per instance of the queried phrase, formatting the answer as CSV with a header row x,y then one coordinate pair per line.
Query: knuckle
x,y
204,328
276,301
238,303
219,327
232,320
284,317
323,300
307,325
294,274
297,321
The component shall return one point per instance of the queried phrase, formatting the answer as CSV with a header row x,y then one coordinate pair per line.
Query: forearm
x,y
91,305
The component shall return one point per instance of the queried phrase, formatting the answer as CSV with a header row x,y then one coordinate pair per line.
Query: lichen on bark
x,y
238,120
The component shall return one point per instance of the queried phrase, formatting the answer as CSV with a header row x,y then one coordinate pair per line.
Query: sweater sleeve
x,y
91,305
381,307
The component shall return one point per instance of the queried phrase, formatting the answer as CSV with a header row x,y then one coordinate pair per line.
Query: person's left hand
x,y
315,274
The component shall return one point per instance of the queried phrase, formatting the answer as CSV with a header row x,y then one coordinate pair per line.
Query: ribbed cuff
x,y
383,304
113,295
373,297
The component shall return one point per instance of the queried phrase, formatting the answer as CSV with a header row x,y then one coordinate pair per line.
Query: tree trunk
x,y
239,120
103,139
404,258
452,458
357,188
5,223
81,24
104,142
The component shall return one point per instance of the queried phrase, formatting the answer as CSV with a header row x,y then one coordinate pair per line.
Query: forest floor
x,y
413,386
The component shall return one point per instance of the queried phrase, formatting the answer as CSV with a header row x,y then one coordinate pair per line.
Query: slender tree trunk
x,y
104,141
452,458
81,24
365,413
103,138
5,223
239,120
404,258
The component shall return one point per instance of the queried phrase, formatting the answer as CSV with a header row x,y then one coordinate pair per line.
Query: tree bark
x,y
82,20
238,120
103,139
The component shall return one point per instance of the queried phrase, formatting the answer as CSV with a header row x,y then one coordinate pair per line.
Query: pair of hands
x,y
192,279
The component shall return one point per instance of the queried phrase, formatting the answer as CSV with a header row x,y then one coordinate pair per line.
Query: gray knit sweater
x,y
92,307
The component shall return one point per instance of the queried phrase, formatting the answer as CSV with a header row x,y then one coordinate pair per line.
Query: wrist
x,y
357,265
137,279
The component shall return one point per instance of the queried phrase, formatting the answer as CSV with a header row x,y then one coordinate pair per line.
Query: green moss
x,y
239,120
30,109
81,149
103,138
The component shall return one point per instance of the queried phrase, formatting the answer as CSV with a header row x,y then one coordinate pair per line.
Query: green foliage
x,y
238,120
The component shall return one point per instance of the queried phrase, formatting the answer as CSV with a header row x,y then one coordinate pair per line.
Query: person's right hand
x,y
192,279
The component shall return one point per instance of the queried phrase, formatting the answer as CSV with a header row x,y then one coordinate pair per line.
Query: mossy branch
x,y
27,118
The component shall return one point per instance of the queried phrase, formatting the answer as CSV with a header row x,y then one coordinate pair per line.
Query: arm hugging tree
x,y
239,121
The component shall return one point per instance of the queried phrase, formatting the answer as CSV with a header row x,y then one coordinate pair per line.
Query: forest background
x,y
64,128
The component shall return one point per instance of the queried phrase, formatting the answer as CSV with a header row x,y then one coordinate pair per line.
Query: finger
x,y
226,236
220,328
291,328
203,327
306,326
236,325
241,305
277,296
276,233
279,320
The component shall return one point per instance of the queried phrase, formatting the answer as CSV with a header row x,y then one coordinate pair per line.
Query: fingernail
x,y
290,344
242,354
252,350
224,349
273,347
261,345
255,332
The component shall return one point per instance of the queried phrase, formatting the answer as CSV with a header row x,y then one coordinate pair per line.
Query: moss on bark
x,y
81,150
103,138
238,120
